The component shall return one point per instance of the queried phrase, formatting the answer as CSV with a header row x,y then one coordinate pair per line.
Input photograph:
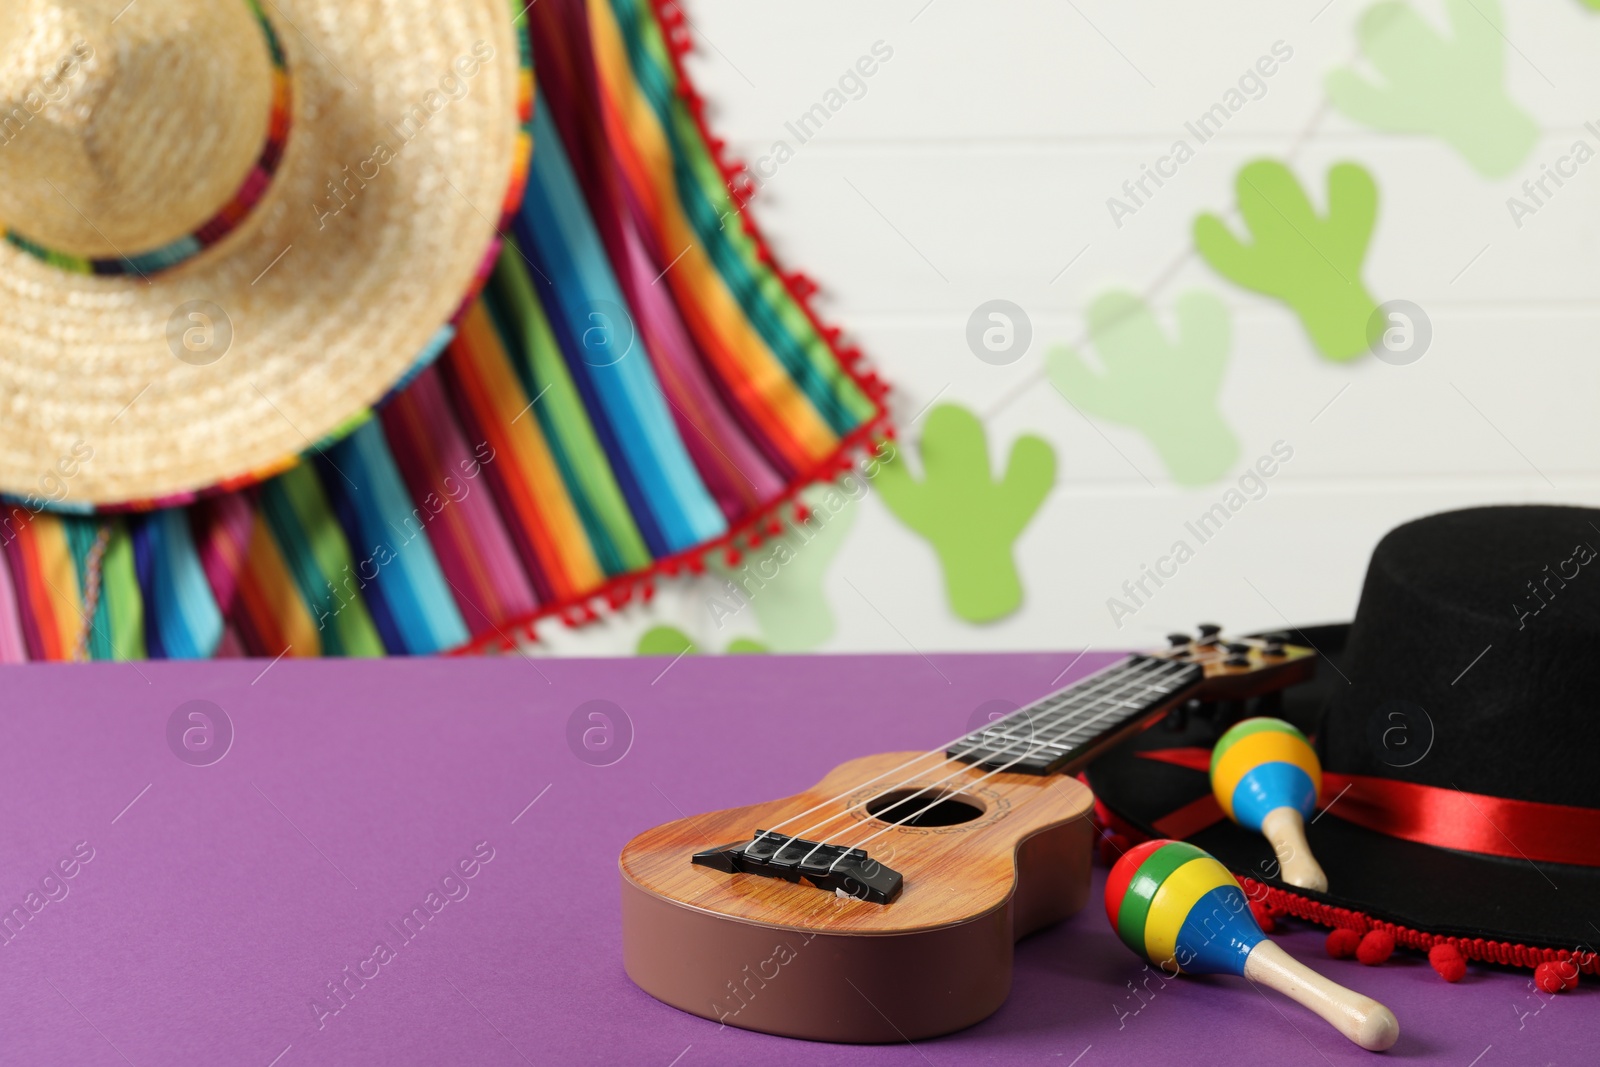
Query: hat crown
x,y
124,127
1472,661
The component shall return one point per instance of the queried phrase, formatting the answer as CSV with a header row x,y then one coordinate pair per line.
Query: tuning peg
x,y
1274,645
1237,659
1208,632
1178,640
1236,646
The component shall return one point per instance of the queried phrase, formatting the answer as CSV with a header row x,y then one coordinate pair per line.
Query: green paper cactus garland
x,y
971,520
1311,262
670,641
1166,383
1450,86
783,582
664,641
1166,388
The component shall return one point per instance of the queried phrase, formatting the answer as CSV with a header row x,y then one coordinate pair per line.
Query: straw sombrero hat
x,y
230,226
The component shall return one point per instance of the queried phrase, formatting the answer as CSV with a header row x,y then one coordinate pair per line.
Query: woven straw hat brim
x,y
330,299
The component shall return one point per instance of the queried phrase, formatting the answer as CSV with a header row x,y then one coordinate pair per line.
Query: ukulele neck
x,y
1061,732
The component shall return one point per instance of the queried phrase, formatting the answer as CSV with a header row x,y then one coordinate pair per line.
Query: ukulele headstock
x,y
1239,667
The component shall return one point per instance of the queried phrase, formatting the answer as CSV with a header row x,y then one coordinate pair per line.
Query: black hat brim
x,y
1435,891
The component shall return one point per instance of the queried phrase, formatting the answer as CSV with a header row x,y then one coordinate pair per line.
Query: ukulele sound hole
x,y
933,808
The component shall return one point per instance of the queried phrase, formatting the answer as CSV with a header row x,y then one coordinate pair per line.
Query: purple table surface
x,y
222,899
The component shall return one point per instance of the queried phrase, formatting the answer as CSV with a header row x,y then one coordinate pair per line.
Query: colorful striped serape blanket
x,y
637,386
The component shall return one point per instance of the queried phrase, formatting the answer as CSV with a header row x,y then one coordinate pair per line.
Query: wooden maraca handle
x,y
1286,830
1360,1018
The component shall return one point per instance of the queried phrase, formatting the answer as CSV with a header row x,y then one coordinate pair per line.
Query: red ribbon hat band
x,y
1429,815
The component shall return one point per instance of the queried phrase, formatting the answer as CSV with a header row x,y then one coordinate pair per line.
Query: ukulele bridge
x,y
830,867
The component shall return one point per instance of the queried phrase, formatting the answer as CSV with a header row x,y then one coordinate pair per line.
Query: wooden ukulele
x,y
882,904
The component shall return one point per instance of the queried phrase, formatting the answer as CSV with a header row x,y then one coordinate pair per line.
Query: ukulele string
x,y
1156,675
1109,674
1129,677
942,749
1136,677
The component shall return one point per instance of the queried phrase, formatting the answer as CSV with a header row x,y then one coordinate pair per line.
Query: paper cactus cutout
x,y
671,641
1164,388
664,641
1453,86
1310,262
971,520
782,582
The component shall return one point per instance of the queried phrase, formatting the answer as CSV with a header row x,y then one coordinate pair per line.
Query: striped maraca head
x,y
1263,764
1179,908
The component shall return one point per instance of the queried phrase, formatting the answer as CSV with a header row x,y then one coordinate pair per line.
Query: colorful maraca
x,y
1180,909
1267,778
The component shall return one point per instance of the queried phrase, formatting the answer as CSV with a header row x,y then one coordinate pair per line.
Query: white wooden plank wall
x,y
976,164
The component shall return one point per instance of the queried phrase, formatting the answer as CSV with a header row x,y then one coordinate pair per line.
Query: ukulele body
x,y
765,954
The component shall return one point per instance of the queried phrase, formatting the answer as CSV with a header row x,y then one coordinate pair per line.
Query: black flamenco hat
x,y
1458,724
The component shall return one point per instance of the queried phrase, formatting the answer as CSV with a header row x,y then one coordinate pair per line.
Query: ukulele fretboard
x,y
1071,723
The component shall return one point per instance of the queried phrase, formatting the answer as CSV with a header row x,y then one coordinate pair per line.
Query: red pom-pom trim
x,y
1502,953
1556,976
1447,960
1342,943
1263,917
1547,978
1375,947
576,610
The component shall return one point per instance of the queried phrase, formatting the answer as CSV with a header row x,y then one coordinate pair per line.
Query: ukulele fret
x,y
1065,725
